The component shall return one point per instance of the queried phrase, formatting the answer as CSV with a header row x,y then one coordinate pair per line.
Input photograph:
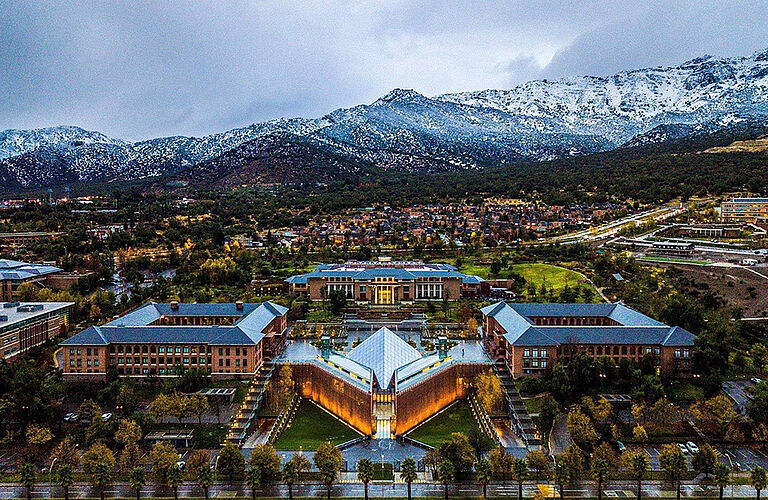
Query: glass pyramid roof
x,y
384,352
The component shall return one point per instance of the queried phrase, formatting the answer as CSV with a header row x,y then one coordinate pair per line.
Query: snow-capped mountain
x,y
405,130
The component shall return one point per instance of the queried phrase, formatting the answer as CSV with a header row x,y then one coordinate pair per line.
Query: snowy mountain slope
x,y
404,130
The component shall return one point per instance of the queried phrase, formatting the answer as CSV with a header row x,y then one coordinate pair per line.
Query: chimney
x,y
174,305
239,305
325,346
442,347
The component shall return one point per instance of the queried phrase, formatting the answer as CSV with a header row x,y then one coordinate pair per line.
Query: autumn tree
x,y
672,460
637,463
581,430
489,391
267,460
717,410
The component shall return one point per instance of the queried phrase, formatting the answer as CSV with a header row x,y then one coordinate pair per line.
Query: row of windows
x,y
88,351
151,349
154,361
614,350
534,363
536,353
79,362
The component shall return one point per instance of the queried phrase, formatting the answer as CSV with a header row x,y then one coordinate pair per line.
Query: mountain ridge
x,y
407,131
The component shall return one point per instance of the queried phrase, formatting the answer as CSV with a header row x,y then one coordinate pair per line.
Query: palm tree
x,y
101,476
599,474
137,480
561,476
205,479
253,479
445,473
329,474
408,473
722,475
28,477
637,463
65,479
365,473
758,480
290,476
484,474
519,474
175,478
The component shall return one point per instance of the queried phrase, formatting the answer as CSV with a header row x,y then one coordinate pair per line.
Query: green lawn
x,y
313,426
555,278
455,418
685,392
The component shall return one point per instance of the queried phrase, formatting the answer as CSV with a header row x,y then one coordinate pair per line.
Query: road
x,y
611,228
377,490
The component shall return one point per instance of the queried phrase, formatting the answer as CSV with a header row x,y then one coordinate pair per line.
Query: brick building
x,y
386,283
226,340
531,338
24,325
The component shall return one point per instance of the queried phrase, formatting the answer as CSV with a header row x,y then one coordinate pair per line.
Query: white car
x,y
106,416
692,447
71,417
682,448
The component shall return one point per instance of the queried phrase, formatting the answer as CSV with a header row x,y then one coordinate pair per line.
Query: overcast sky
x,y
136,70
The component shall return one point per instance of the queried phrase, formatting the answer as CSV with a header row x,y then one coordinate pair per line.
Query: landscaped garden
x,y
313,426
455,418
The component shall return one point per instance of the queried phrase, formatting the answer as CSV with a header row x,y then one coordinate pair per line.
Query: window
x,y
535,353
245,362
161,349
527,352
544,363
686,353
88,351
543,353
96,362
202,361
71,351
186,349
677,353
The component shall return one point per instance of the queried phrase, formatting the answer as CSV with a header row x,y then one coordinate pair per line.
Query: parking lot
x,y
737,391
738,458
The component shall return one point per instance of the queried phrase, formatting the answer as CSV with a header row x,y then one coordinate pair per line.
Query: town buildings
x,y
745,211
387,282
226,340
531,338
24,325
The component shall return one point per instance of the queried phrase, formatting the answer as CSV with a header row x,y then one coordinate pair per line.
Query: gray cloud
x,y
137,70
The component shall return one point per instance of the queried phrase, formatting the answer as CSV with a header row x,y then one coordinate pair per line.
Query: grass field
x,y
555,277
313,426
455,418
674,260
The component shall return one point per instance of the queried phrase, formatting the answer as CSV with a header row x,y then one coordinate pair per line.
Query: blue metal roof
x,y
397,270
634,327
136,326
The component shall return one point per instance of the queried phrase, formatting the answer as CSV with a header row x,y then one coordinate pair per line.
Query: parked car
x,y
756,380
683,448
181,464
621,446
692,447
106,416
71,417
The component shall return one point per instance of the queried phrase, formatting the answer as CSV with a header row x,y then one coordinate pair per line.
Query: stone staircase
x,y
519,419
246,415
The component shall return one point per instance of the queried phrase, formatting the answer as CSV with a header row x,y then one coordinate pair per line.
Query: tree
x,y
160,407
757,479
328,473
231,463
605,452
519,474
266,459
637,463
639,434
459,452
28,478
98,454
101,477
337,299
197,405
717,410
253,479
484,474
561,475
284,389
137,480
722,477
89,409
302,463
672,460
174,479
573,460
327,452
501,462
538,461
479,442
131,458
365,473
65,478
704,460
599,470
205,479
408,473
128,431
489,392
445,474
65,453
581,430
162,457
549,411
197,461
289,476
